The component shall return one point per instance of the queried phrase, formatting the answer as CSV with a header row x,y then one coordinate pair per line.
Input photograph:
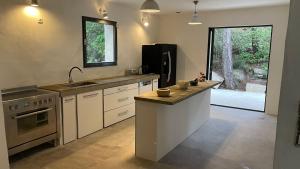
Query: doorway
x,y
239,57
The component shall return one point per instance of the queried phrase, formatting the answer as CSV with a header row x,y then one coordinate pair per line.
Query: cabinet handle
x,y
123,99
90,95
123,113
68,100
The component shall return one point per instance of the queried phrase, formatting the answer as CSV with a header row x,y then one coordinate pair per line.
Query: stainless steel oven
x,y
31,120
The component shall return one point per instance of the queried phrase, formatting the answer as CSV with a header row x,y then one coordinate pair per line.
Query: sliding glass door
x,y
239,58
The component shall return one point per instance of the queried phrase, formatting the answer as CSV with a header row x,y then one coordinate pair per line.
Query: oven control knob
x,y
16,107
50,100
35,103
11,108
40,102
45,101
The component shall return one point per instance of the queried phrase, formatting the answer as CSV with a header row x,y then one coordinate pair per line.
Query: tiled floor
x,y
239,99
231,139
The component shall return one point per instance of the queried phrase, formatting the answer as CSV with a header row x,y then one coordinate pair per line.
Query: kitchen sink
x,y
80,84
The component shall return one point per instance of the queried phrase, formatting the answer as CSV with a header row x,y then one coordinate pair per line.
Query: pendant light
x,y
195,18
150,6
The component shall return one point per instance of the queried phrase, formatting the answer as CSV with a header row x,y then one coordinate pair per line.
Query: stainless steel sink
x,y
80,84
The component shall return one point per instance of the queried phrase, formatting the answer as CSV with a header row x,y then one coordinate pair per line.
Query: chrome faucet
x,y
70,73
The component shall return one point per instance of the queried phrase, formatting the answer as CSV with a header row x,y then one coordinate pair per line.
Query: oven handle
x,y
33,113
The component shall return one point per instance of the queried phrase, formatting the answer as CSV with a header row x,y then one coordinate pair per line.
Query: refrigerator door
x,y
161,59
170,66
168,75
165,74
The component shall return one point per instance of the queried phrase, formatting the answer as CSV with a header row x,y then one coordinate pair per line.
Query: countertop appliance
x,y
160,59
31,117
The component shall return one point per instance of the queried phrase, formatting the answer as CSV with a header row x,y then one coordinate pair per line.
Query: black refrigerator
x,y
160,59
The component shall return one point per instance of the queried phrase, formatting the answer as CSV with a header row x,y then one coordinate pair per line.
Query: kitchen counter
x,y
101,83
177,95
164,122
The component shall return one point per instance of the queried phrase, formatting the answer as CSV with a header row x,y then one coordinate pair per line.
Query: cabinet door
x,y
89,112
155,84
69,119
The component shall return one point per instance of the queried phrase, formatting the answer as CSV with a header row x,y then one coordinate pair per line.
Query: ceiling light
x,y
195,18
150,6
34,3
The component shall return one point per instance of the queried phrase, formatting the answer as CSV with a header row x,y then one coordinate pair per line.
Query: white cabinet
x,y
119,103
89,112
155,84
86,113
119,99
119,114
69,121
120,89
145,87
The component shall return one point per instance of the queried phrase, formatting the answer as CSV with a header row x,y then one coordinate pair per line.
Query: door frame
x,y
210,53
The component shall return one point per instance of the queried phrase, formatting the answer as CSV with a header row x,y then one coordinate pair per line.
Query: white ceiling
x,y
168,6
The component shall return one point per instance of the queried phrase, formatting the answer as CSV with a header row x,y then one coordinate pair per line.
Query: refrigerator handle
x,y
170,66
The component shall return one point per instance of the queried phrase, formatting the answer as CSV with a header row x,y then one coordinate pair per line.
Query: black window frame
x,y
104,21
211,37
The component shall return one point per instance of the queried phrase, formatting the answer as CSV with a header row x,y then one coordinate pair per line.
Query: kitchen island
x,y
164,122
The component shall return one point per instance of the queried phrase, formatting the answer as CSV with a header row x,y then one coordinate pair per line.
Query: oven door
x,y
27,126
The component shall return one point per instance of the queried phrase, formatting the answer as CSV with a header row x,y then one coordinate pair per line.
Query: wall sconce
x,y
145,19
103,13
32,10
34,3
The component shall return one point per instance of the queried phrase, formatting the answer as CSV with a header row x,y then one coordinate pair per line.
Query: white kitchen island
x,y
164,122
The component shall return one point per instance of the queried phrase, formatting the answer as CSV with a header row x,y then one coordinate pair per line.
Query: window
x,y
99,42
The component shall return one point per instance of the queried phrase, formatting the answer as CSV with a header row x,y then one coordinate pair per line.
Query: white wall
x,y
42,54
3,147
193,41
286,154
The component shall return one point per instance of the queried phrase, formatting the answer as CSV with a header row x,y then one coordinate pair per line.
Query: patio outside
x,y
239,58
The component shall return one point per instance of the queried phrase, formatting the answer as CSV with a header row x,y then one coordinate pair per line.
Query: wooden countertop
x,y
177,95
102,83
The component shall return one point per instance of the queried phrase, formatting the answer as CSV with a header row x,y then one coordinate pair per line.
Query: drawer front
x,y
120,99
117,115
120,89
